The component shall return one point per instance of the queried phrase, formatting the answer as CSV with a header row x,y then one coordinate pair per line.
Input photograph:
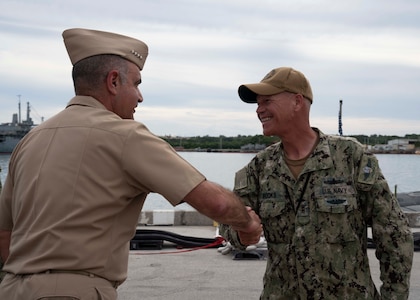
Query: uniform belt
x,y
115,284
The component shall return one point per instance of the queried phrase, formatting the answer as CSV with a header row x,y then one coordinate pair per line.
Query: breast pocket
x,y
274,214
336,218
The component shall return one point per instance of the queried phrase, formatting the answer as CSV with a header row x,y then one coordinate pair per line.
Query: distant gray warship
x,y
12,133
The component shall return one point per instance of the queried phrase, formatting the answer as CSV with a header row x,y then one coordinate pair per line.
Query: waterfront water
x,y
400,170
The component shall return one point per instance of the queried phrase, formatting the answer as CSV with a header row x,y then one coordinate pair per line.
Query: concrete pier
x,y
174,217
182,274
409,202
194,218
173,273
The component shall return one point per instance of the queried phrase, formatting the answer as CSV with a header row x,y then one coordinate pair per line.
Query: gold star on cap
x,y
82,43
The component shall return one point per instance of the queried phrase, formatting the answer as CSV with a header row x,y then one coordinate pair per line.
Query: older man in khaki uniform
x,y
77,182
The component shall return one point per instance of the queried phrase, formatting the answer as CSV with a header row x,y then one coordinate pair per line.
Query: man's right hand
x,y
251,235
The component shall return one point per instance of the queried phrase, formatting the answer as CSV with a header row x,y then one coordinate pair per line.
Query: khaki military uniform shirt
x,y
75,188
316,225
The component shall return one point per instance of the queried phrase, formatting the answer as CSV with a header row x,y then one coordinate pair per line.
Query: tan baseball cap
x,y
82,43
278,80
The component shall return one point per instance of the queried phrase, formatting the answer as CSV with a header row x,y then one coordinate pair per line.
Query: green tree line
x,y
225,142
220,142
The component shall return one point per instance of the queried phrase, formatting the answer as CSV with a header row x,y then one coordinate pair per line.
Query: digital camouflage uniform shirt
x,y
316,225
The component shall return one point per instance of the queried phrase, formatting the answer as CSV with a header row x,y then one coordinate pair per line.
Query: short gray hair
x,y
89,73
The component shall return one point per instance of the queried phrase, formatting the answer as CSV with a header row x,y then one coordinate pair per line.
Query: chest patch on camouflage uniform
x,y
336,186
335,192
336,201
268,195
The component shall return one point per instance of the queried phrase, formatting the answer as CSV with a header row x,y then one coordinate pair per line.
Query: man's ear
x,y
113,81
299,101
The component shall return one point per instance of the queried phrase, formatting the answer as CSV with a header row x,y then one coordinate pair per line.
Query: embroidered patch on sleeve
x,y
241,180
368,170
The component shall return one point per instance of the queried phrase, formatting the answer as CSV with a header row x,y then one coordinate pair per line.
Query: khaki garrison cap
x,y
279,80
82,43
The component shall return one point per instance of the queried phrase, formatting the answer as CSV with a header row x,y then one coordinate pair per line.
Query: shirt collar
x,y
85,101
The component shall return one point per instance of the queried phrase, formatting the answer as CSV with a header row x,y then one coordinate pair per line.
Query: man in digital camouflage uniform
x,y
316,196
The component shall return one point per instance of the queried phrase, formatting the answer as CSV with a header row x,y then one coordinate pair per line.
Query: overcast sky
x,y
366,53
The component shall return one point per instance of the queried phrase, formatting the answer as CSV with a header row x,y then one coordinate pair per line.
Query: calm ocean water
x,y
401,170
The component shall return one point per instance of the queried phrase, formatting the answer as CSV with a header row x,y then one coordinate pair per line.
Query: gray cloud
x,y
364,52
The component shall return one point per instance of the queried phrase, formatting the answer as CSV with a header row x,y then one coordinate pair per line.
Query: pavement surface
x,y
171,273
